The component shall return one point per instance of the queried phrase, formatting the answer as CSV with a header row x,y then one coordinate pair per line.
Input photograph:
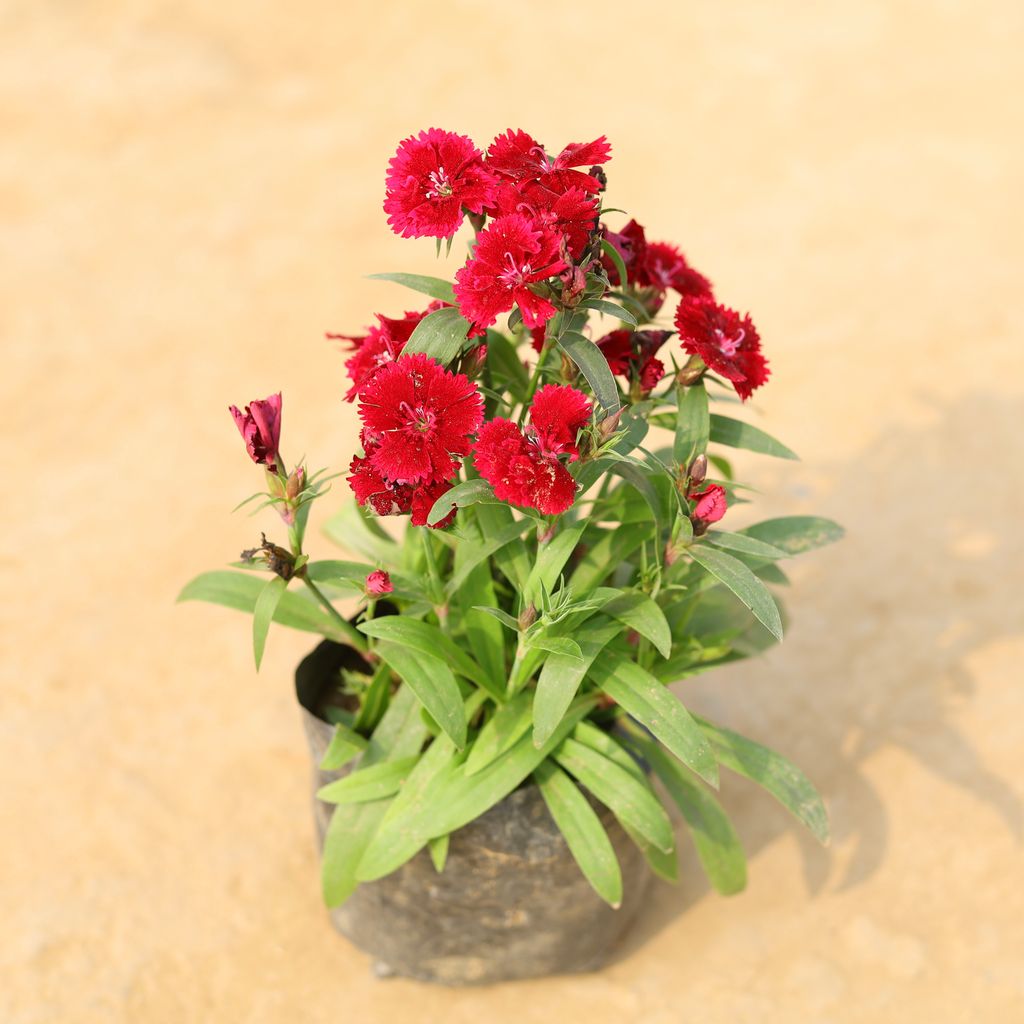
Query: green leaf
x,y
742,582
604,306
353,529
507,370
613,254
266,604
716,842
439,852
692,423
508,723
745,545
551,559
560,678
555,645
642,482
484,637
344,745
585,835
453,799
240,590
796,534
641,695
440,335
432,286
594,366
737,434
399,734
502,616
778,776
639,612
426,639
365,784
631,802
511,557
432,682
469,492
471,553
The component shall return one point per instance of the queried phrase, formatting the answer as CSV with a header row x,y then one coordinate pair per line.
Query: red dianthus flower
x,y
260,427
518,157
418,419
631,354
710,504
510,254
728,344
380,345
431,179
524,469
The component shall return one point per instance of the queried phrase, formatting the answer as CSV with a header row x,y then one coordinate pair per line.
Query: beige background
x,y
190,195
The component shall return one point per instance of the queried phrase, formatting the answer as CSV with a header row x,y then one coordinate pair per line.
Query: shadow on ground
x,y
884,629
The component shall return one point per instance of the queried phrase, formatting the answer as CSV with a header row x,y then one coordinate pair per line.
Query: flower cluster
x,y
418,420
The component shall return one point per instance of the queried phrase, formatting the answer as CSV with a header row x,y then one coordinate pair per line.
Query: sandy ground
x,y
190,195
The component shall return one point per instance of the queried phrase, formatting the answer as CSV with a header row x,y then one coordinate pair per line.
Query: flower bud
x,y
598,174
574,285
378,583
698,470
296,481
691,372
260,427
527,617
608,426
472,364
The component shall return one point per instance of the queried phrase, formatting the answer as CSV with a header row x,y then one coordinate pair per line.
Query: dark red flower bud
x,y
260,427
698,470
709,508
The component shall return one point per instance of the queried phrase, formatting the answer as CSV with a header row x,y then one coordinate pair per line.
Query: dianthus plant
x,y
543,426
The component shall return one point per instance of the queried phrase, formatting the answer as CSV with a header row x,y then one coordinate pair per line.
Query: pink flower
x,y
518,157
378,583
431,179
418,419
519,472
710,504
524,469
728,344
510,254
260,427
380,345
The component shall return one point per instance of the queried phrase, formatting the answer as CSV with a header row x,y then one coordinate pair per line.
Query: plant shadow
x,y
886,626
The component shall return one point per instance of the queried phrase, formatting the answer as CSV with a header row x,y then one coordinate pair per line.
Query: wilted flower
x,y
260,427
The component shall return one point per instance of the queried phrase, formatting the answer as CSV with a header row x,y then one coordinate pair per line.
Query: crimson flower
x,y
664,267
519,472
631,354
510,254
378,583
418,419
260,427
518,157
380,345
571,214
524,469
557,415
631,244
423,498
370,488
431,179
710,504
728,344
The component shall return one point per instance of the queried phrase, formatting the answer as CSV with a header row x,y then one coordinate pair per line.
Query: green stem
x,y
354,637
436,587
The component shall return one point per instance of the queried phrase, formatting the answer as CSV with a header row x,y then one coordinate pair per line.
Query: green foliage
x,y
515,646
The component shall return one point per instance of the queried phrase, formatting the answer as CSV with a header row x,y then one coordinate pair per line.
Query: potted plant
x,y
488,726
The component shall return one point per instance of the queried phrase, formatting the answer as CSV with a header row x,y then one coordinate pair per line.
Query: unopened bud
x,y
472,363
691,372
575,284
609,425
527,617
698,470
274,485
597,172
296,481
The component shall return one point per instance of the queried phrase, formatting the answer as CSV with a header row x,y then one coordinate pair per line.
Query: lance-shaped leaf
x,y
796,534
737,434
508,723
433,683
440,335
463,494
692,423
266,604
585,835
365,784
641,695
630,801
641,613
742,582
778,776
611,309
714,838
344,745
594,366
432,286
